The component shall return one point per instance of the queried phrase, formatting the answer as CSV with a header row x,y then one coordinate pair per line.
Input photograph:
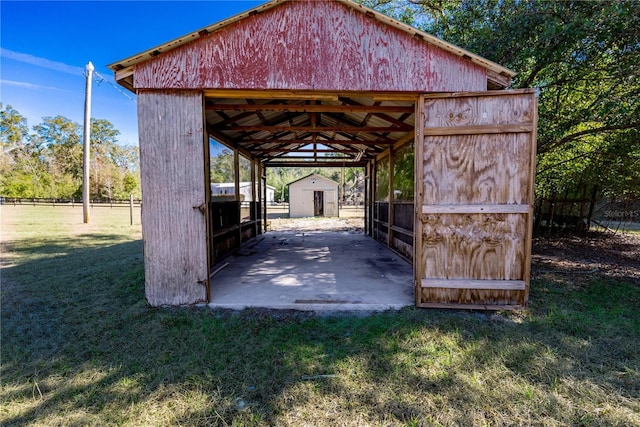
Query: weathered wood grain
x,y
311,45
476,169
171,164
473,246
501,108
477,183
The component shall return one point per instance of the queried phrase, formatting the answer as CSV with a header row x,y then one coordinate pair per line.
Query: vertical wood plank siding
x,y
171,162
311,45
476,184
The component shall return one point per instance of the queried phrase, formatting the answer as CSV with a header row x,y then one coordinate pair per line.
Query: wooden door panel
x,y
474,176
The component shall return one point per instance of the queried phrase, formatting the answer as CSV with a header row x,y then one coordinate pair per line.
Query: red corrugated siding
x,y
311,45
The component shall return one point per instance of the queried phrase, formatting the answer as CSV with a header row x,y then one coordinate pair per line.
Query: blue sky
x,y
45,46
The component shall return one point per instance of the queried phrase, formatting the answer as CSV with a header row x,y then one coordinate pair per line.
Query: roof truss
x,y
343,130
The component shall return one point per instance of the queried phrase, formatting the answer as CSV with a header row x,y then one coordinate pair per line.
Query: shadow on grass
x,y
80,346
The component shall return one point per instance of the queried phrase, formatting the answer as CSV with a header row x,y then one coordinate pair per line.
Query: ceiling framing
x,y
340,130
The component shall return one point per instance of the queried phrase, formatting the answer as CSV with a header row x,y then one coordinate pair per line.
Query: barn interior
x,y
314,130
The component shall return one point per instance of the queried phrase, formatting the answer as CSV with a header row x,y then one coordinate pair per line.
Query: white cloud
x,y
27,85
41,62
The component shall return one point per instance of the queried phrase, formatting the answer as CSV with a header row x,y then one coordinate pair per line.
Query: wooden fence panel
x,y
475,182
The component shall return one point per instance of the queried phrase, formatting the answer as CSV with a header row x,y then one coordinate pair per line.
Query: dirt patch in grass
x,y
585,258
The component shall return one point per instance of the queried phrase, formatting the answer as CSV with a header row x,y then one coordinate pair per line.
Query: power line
x,y
103,79
99,78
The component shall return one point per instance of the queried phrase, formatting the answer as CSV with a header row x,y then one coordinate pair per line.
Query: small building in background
x,y
227,189
313,195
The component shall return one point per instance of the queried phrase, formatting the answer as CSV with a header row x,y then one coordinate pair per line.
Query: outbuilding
x,y
227,189
313,195
448,151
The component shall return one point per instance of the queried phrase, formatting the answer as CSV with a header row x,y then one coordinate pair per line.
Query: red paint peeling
x,y
312,45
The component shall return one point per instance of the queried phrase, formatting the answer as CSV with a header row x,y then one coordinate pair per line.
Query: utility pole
x,y
86,144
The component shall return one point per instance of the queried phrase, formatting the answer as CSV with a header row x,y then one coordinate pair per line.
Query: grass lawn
x,y
80,347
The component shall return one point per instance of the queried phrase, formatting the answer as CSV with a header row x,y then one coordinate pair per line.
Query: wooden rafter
x,y
256,142
309,128
322,108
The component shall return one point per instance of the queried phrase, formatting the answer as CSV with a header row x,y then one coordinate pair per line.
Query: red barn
x,y
332,83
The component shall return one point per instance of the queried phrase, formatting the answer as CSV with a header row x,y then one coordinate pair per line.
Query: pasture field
x,y
80,346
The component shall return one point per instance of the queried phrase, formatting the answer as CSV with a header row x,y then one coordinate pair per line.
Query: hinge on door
x,y
202,208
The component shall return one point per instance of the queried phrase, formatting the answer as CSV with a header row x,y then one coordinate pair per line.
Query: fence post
x,y
131,208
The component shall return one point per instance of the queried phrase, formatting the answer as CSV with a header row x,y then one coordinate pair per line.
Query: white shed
x,y
229,189
313,195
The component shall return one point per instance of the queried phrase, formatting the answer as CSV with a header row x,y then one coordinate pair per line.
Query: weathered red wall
x,y
311,45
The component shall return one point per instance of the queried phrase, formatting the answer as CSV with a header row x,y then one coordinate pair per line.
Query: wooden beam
x,y
293,108
503,285
476,209
309,141
309,128
124,73
405,109
304,95
306,150
316,157
497,81
230,143
479,130
322,164
454,306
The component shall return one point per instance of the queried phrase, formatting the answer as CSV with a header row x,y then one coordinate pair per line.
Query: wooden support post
x,y
374,212
259,216
236,168
263,180
254,199
367,212
391,195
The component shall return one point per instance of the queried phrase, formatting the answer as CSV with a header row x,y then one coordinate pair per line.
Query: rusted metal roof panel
x,y
314,45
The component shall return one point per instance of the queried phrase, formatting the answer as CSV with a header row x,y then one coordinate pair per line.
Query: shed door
x,y
474,199
318,203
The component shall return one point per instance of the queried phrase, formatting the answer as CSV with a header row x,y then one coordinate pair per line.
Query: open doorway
x,y
318,203
319,132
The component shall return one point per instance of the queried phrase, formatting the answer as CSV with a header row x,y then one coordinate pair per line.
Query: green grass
x,y
81,347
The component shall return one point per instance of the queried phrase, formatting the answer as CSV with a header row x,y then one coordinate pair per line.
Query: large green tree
x,y
583,56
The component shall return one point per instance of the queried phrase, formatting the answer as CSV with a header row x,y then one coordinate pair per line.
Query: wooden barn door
x,y
474,199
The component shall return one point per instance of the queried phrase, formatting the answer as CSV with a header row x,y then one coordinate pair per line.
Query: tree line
x,y
45,161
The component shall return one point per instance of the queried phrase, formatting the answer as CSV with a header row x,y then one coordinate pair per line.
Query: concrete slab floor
x,y
317,270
